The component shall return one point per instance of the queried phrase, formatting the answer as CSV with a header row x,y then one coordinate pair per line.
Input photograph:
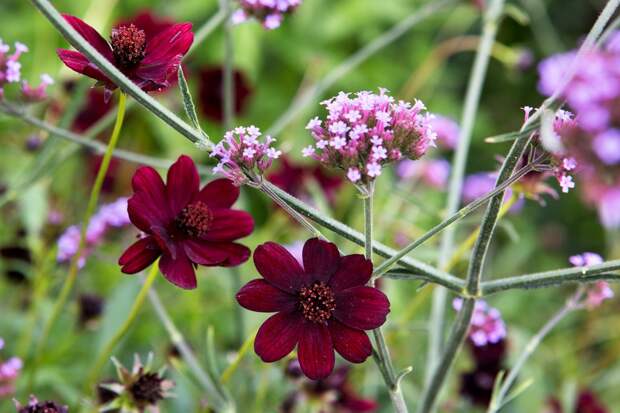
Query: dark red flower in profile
x,y
334,391
321,306
211,92
183,224
151,62
295,179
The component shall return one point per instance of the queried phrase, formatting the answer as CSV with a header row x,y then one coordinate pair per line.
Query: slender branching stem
x,y
110,345
69,282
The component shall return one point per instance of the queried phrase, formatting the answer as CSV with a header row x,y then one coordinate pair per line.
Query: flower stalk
x,y
108,348
381,354
90,209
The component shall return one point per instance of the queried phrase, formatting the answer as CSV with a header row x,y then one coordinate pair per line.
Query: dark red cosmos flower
x,y
587,402
295,179
211,92
184,225
150,23
322,306
151,63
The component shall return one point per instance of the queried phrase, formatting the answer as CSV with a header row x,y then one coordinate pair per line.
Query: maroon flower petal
x,y
350,401
182,183
169,43
179,271
278,336
352,344
316,351
229,225
77,62
220,193
149,205
279,267
355,270
139,255
364,308
321,259
164,241
259,295
90,35
224,254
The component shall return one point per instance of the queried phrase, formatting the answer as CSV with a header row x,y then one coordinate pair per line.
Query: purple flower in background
x,y
433,172
606,145
600,290
269,12
487,326
113,215
361,134
447,131
9,372
10,72
242,154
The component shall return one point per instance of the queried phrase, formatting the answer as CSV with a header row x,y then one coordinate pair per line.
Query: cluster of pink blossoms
x,y
243,158
269,12
10,72
599,291
487,326
9,371
113,215
594,95
362,134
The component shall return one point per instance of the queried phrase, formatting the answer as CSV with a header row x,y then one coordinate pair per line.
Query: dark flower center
x,y
128,45
195,219
317,302
43,407
147,390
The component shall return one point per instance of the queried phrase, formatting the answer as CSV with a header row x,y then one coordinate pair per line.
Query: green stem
x,y
216,398
90,209
110,345
316,90
382,354
472,102
115,75
499,400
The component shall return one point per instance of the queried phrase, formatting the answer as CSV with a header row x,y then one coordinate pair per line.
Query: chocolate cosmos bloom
x,y
150,62
184,225
321,306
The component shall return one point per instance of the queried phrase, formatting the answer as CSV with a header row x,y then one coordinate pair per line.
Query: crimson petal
x,y
169,43
279,267
182,183
179,271
224,254
259,295
316,351
278,336
364,308
149,203
355,270
229,225
90,35
220,193
139,255
77,62
321,259
352,344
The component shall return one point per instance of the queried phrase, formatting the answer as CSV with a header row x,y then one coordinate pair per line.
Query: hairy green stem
x,y
499,400
382,354
315,91
110,345
90,209
218,400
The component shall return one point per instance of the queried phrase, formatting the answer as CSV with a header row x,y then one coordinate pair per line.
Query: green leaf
x,y
188,102
517,14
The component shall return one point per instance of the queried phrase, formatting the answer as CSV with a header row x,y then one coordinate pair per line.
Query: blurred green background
x,y
581,353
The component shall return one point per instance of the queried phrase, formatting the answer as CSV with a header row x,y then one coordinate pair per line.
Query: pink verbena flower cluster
x,y
599,291
487,326
594,95
363,133
269,12
10,72
113,215
9,372
243,158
